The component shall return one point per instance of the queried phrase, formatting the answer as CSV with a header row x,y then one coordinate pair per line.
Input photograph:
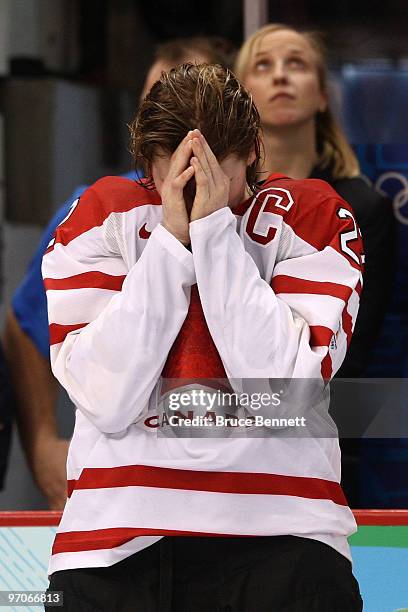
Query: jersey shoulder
x,y
314,210
108,195
119,194
308,194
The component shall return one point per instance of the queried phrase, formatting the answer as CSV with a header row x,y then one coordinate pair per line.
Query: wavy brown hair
x,y
333,148
207,97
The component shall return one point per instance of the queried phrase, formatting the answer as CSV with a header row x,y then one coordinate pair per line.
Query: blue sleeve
x,y
29,301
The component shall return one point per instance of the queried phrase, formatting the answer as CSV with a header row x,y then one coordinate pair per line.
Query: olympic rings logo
x,y
401,197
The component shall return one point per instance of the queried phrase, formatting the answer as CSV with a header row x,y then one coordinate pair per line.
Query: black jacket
x,y
374,215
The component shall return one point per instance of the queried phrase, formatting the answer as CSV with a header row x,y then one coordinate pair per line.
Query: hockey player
x,y
191,276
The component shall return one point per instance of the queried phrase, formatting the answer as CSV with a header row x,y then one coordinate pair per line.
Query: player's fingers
x,y
199,152
181,156
182,179
201,177
210,157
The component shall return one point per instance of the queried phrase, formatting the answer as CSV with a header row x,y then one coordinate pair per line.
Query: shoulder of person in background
x,y
366,201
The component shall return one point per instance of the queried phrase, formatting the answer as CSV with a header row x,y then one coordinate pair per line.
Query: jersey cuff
x,y
175,247
220,219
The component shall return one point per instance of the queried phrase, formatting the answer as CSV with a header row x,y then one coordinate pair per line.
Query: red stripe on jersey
x,y
327,367
289,284
78,541
49,249
70,487
320,335
111,194
347,323
58,333
358,288
243,483
86,280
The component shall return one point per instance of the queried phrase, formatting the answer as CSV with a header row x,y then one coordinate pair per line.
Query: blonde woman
x,y
286,72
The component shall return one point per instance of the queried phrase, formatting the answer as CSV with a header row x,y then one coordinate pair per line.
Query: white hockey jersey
x,y
274,289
